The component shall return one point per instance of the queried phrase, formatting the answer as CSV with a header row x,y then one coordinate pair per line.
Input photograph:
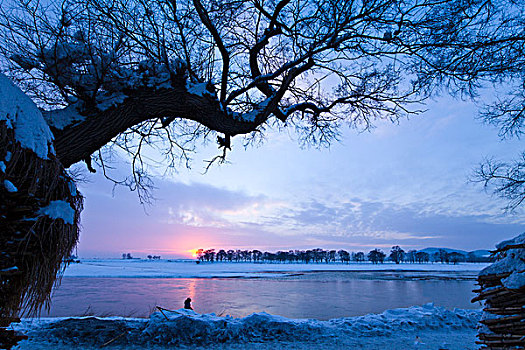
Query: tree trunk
x,y
78,141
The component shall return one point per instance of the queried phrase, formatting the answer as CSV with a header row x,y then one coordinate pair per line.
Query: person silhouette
x,y
187,304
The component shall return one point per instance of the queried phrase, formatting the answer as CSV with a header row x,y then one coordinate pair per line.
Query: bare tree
x,y
344,256
506,180
422,257
136,75
411,256
376,256
397,254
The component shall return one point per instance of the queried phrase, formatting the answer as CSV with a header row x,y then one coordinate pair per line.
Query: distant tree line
x,y
318,255
128,256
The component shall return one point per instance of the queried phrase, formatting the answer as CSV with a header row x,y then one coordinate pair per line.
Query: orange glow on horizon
x,y
193,252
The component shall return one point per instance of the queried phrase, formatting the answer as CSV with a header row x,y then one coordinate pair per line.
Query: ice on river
x,y
189,269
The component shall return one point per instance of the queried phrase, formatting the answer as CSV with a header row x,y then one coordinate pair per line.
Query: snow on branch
x,y
20,113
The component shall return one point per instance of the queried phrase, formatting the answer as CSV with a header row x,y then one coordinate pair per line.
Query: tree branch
x,y
203,15
80,140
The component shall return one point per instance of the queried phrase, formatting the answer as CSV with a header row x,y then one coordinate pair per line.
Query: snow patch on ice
x,y
10,187
22,115
59,210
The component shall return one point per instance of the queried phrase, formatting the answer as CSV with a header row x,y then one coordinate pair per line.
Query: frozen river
x,y
294,294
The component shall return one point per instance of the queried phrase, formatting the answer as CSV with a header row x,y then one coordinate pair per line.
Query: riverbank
x,y
417,327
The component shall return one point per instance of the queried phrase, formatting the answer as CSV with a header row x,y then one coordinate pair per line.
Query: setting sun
x,y
193,253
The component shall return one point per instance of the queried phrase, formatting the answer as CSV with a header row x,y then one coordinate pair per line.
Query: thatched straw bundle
x,y
503,293
33,243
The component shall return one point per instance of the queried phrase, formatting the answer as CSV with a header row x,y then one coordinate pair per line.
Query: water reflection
x,y
295,298
191,288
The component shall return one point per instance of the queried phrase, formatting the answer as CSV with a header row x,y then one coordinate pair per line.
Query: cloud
x,y
354,222
368,221
201,205
308,223
193,215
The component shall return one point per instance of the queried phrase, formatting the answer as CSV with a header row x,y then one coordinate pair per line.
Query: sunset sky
x,y
403,184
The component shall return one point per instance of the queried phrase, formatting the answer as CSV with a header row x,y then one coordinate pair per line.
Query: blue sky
x,y
403,184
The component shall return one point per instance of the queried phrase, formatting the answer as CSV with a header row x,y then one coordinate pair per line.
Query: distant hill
x,y
481,255
479,252
433,250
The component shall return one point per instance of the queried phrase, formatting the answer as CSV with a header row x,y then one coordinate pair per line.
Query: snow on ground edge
x,y
187,327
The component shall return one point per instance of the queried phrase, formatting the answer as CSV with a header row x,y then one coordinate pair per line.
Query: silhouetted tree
x,y
344,256
358,257
472,257
221,255
200,254
411,256
209,255
376,256
455,257
257,255
331,256
506,179
397,254
320,255
441,256
230,253
422,257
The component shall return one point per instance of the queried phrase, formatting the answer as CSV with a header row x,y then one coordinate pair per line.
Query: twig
x,y
222,312
112,340
162,312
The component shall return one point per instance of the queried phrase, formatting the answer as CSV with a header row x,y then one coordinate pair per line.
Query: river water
x,y
320,295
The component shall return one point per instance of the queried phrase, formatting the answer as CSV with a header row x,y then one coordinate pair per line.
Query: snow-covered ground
x,y
417,327
189,269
